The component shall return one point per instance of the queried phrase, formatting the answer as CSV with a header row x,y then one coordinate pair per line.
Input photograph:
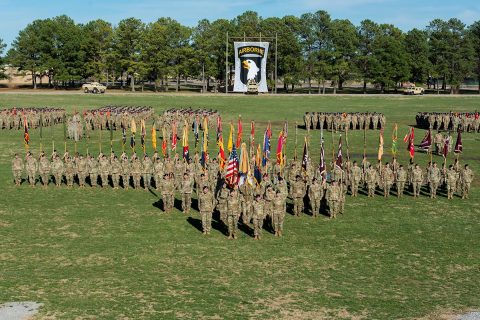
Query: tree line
x,y
311,48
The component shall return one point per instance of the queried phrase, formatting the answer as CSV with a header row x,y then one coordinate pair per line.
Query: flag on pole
x,y
380,146
219,127
185,142
230,139
244,166
195,131
164,143
231,177
143,133
339,161
239,132
305,155
426,141
280,143
124,136
133,130
446,146
266,147
252,132
409,139
154,137
174,136
458,144
323,165
204,159
394,140
257,173
26,135
221,153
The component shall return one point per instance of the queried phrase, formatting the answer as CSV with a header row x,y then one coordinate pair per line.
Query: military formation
x,y
190,116
115,117
341,121
14,118
449,121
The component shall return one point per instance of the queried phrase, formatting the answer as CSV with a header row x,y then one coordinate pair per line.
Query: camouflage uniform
x,y
158,172
17,169
104,166
417,180
315,194
451,179
434,176
136,169
297,191
31,167
44,169
125,170
186,188
387,179
466,177
371,177
168,190
58,169
69,171
258,216
233,213
246,201
333,198
82,171
222,197
355,178
401,178
147,172
115,172
93,171
278,213
206,204
268,197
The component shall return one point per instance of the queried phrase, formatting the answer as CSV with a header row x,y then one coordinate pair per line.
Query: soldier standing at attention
x,y
31,166
104,170
125,166
206,204
158,172
371,180
222,197
136,168
233,213
401,177
246,197
92,170
147,172
434,176
466,177
58,169
186,188
167,193
269,196
356,178
417,179
17,168
278,213
44,169
298,193
69,171
333,198
81,171
115,171
258,216
388,179
451,179
315,194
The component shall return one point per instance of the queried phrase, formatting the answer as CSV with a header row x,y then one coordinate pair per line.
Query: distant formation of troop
x,y
188,115
14,118
341,121
449,121
116,116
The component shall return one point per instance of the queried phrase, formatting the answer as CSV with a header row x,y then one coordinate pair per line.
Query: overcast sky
x,y
406,14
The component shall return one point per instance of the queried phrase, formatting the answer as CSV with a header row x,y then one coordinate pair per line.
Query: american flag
x,y
232,168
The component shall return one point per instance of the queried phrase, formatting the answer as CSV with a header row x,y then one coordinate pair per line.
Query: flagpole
x,y
346,140
296,133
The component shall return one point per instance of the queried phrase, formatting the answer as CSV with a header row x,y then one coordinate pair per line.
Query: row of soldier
x,y
341,121
115,117
449,121
14,118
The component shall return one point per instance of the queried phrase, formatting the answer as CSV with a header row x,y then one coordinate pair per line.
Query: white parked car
x,y
414,90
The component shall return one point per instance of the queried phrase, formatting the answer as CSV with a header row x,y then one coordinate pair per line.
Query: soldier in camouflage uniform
x,y
158,172
168,196
136,169
297,191
104,166
115,172
268,197
401,178
69,171
82,170
258,216
417,180
31,168
278,213
434,177
222,197
125,170
315,195
333,198
147,170
58,169
44,169
186,189
246,201
92,170
387,179
206,204
451,180
233,213
355,178
466,177
17,169
371,178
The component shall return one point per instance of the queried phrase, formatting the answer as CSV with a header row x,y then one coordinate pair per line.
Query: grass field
x,y
113,254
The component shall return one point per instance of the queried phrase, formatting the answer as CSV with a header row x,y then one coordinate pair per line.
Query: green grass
x,y
110,254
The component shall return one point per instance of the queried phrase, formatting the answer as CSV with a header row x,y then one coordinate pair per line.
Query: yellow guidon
x,y
245,64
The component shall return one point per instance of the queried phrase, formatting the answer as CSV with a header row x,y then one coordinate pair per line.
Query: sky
x,y
407,14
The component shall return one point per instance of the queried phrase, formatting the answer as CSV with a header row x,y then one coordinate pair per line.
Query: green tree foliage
x,y
97,44
474,33
417,50
2,62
